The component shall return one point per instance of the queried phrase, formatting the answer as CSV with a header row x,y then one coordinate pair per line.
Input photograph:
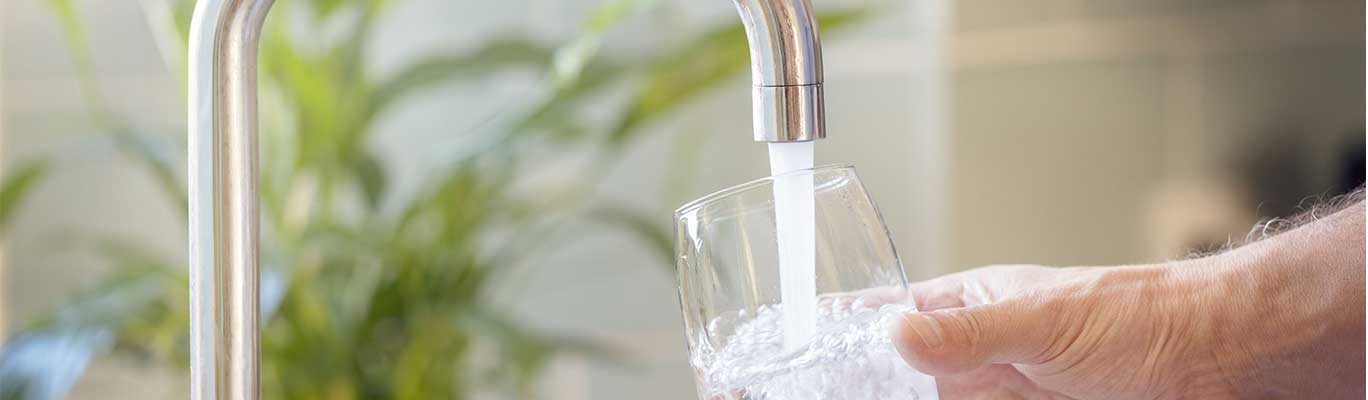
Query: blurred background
x,y
470,199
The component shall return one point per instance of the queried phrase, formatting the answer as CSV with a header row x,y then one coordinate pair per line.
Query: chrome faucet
x,y
225,320
786,70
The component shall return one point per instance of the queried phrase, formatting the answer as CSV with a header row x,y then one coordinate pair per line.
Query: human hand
x,y
1281,317
1036,332
1183,330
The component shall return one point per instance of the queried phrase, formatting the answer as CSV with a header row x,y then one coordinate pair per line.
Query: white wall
x,y
1072,116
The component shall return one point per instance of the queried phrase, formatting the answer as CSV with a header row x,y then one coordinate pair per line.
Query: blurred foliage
x,y
369,292
15,187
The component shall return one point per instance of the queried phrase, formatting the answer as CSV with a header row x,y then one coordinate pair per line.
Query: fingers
x,y
871,298
978,286
992,382
939,293
951,341
967,288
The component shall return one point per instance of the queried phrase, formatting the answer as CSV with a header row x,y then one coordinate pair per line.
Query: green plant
x,y
370,292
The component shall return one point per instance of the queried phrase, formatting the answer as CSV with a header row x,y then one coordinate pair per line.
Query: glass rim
x,y
755,183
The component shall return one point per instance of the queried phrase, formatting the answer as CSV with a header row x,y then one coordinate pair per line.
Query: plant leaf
x,y
169,22
142,147
47,358
16,187
571,58
524,352
686,151
155,154
78,45
325,8
657,237
46,364
430,71
371,176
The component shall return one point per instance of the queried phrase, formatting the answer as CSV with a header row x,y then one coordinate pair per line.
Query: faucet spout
x,y
786,69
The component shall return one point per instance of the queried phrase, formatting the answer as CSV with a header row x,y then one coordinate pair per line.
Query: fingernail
x,y
927,328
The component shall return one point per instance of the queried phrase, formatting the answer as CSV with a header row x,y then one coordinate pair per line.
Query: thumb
x,y
962,339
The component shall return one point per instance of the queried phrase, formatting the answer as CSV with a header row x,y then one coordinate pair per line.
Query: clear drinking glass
x,y
729,289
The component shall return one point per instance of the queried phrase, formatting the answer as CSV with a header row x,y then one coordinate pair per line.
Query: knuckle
x,y
966,330
972,325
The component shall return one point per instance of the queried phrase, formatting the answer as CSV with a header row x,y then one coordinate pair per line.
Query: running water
x,y
851,357
794,215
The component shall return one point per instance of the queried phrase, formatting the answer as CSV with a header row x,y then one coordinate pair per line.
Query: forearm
x,y
1291,311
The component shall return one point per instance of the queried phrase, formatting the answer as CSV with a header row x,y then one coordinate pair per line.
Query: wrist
x,y
1231,294
1284,315
1198,294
